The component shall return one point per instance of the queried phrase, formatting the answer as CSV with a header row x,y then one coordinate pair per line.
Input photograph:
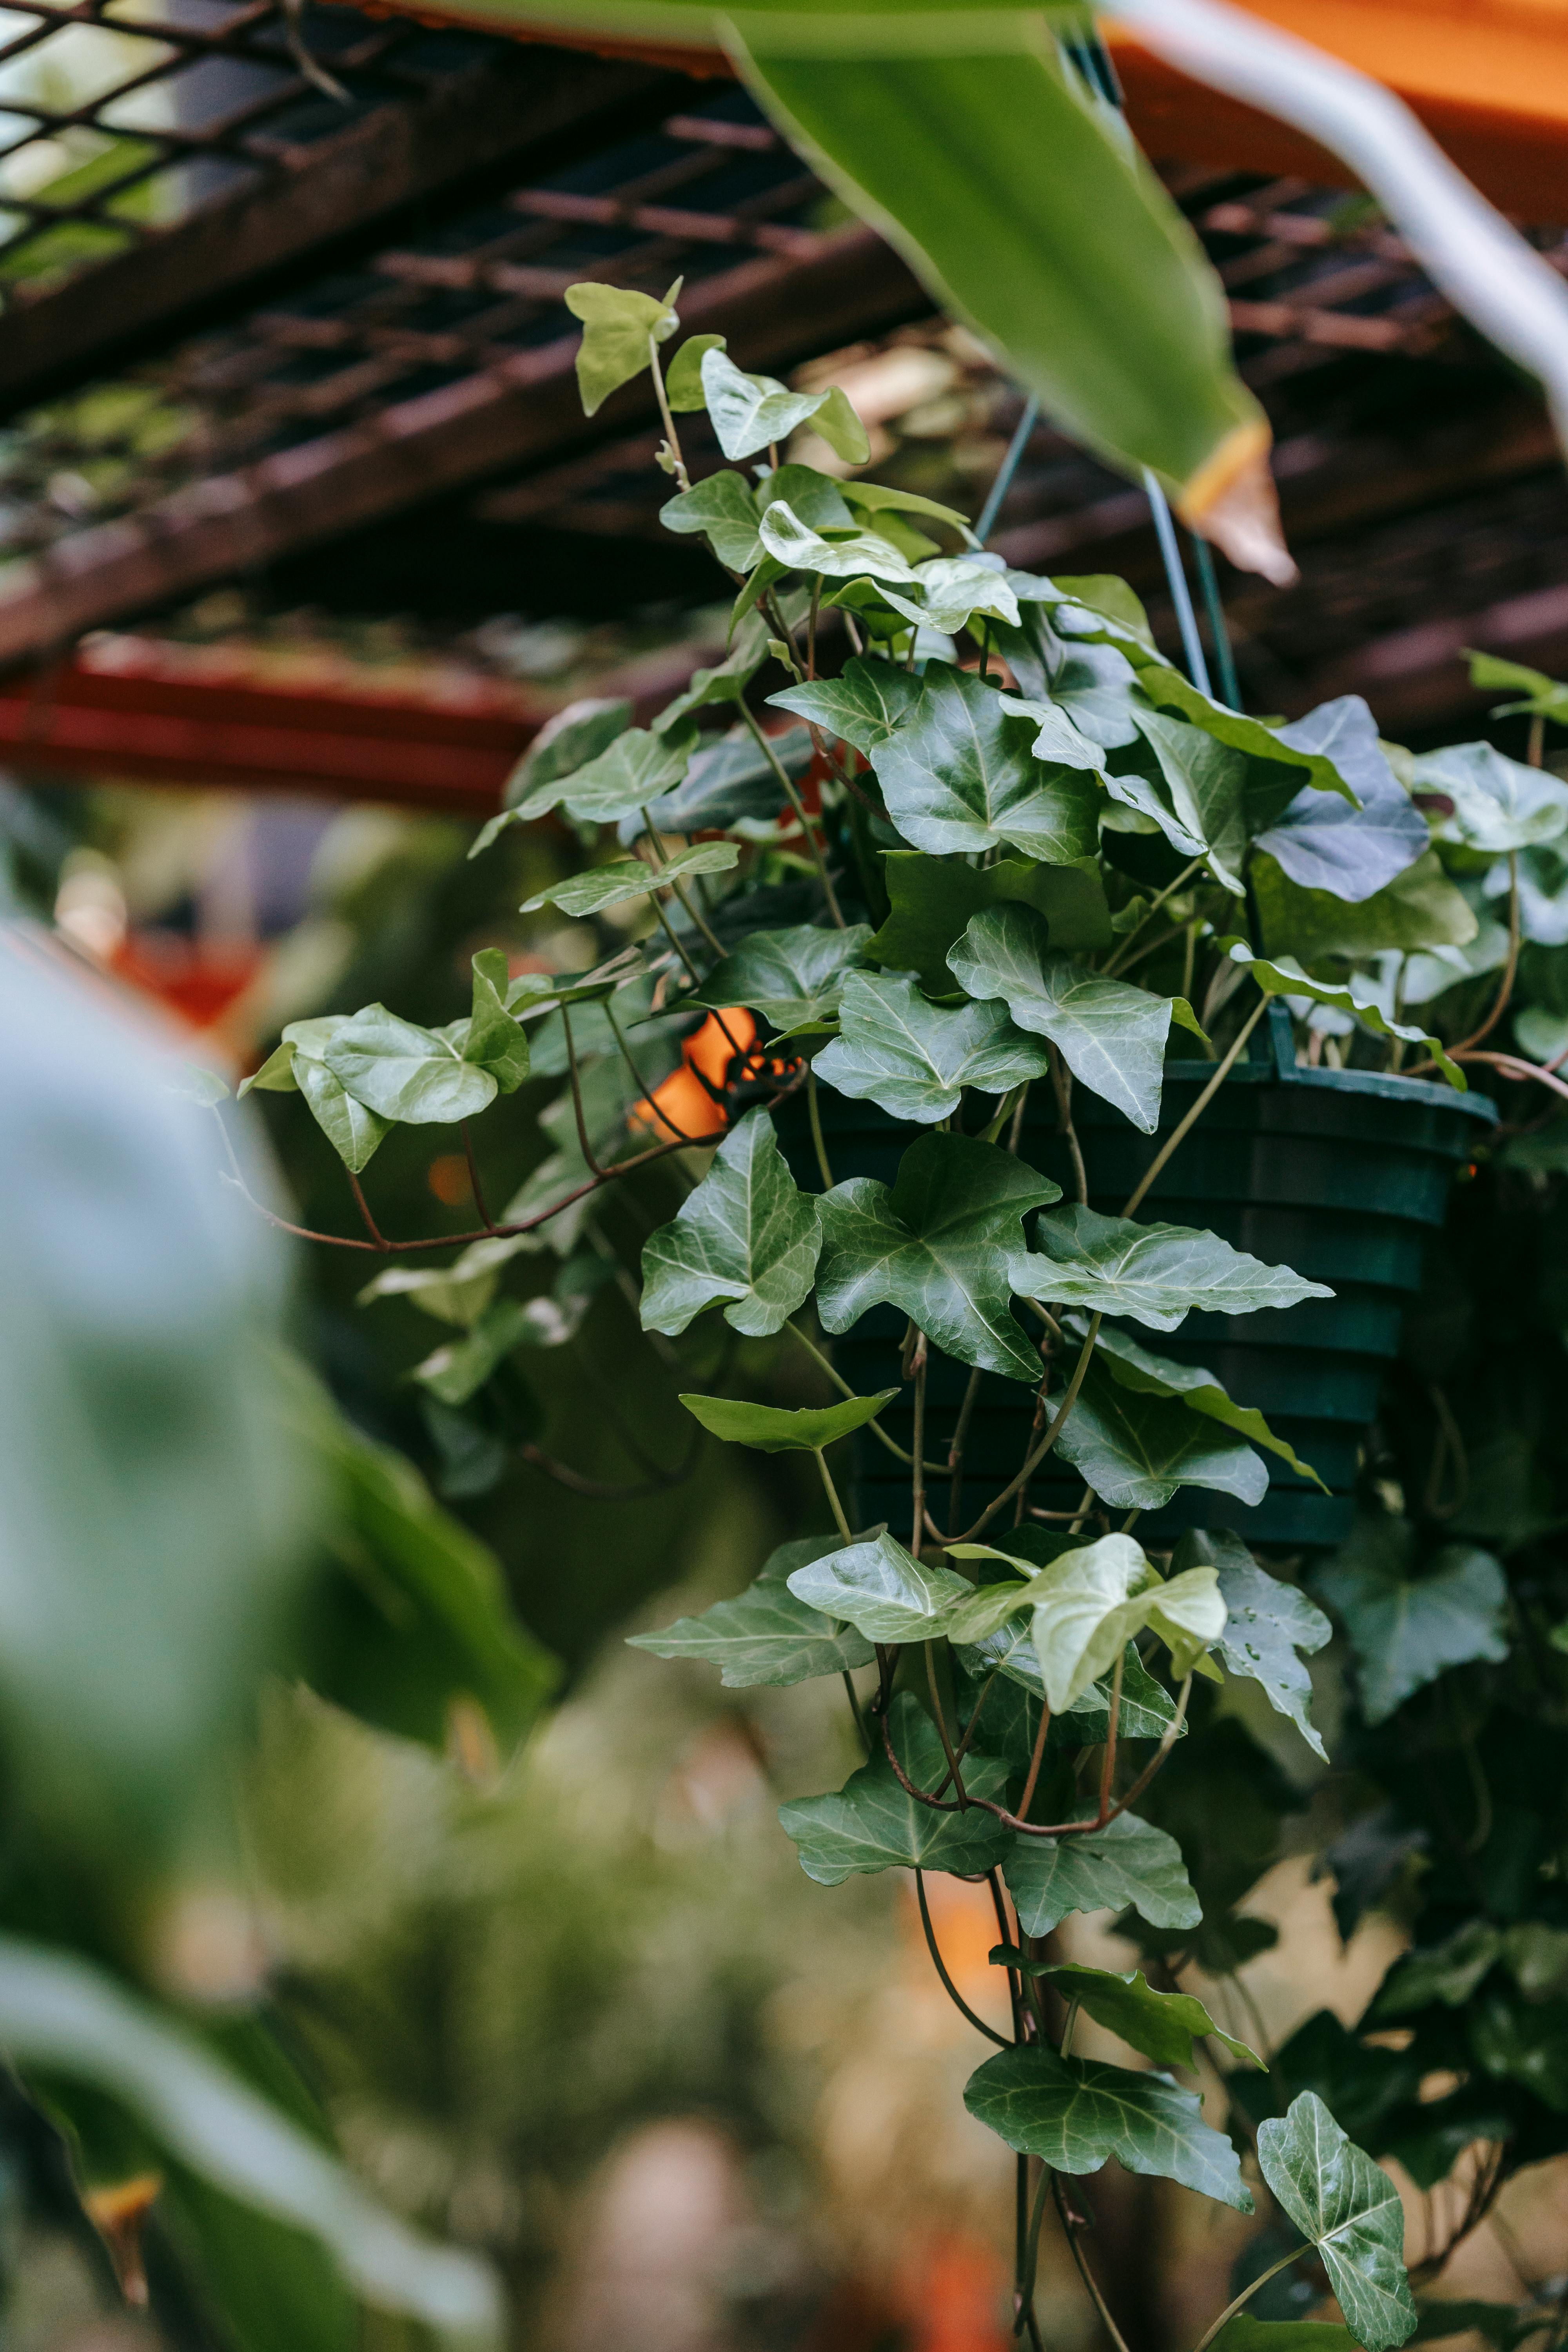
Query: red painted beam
x,y
210,719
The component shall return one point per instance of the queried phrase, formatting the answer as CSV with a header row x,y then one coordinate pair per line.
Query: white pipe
x,y
1485,268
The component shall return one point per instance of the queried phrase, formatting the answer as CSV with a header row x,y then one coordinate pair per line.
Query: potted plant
x,y
994,932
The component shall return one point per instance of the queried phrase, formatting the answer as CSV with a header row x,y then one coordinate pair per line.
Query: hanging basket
x,y
1341,1174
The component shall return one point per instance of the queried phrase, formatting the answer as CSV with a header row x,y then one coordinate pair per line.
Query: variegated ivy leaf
x,y
1281,975
1267,1624
492,1037
632,878
1493,803
794,977
1155,1274
1350,2210
863,706
845,556
351,1127
745,1236
938,1245
932,899
403,1072
1112,1036
638,767
873,1823
1074,2113
952,591
1314,761
1127,1863
722,510
1134,1450
751,412
882,1590
1320,841
620,328
914,1059
1093,1600
958,773
1135,1367
1060,741
766,1637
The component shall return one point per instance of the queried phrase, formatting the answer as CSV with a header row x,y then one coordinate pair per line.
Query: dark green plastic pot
x,y
1341,1174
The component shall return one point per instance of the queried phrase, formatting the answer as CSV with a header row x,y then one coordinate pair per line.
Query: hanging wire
x,y
1181,595
1225,659
986,523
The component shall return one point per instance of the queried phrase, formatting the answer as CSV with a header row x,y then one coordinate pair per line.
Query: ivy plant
x,y
937,850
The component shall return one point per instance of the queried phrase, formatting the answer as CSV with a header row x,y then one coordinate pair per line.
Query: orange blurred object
x,y
448,1177
683,1108
958,2303
195,979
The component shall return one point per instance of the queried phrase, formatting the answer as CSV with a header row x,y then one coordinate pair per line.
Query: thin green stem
x,y
853,1696
1179,1134
1037,1758
1207,2338
960,1439
1061,1084
1046,1443
818,1144
1067,2029
831,1491
1071,2225
819,857
1032,2254
933,1469
1118,962
937,1963
671,436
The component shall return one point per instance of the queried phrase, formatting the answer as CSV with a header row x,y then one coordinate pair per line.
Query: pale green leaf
x,y
957,773
619,329
880,498
1419,908
1544,697
1267,1624
766,1637
276,1075
773,1430
1092,1600
457,1293
1320,842
914,1059
722,510
726,681
1156,1273
936,1245
1074,2113
683,377
1495,803
864,706
638,767
751,412
745,1236
1058,739
1111,1035
354,1130
403,1072
882,1590
1206,796
1283,976
633,877
873,1823
494,1039
1129,1861
838,422
845,556
1350,2211
456,1370
1315,766
1135,1367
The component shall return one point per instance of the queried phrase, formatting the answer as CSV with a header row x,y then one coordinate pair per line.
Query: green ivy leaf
x,y
873,1824
1129,1861
766,1637
937,1247
1089,1603
880,498
750,412
1167,687
914,1059
456,1371
1283,976
403,1072
950,590
722,510
1162,2025
632,878
1405,1629
1267,1624
492,1037
881,1589
1060,741
1544,697
457,1293
1074,2113
863,706
1148,1710
1112,1036
1135,1450
773,1430
1350,2211
617,324
745,1236
931,899
1155,1274
636,768
1498,804
683,377
794,977
1135,1367
1321,844
354,1130
958,774
1208,798
726,681
1420,909
845,556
